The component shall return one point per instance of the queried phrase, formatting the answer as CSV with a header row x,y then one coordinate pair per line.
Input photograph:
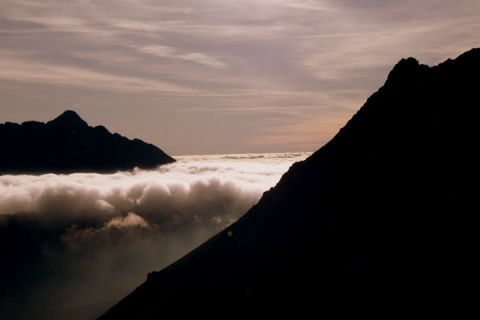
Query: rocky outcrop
x,y
68,144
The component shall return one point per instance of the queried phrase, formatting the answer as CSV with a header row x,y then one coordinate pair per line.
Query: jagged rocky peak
x,y
405,65
68,144
69,118
406,72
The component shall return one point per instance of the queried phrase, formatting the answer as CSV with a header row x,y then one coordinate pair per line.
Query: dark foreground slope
x,y
379,219
68,144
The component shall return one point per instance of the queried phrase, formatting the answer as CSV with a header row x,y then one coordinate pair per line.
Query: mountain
x,y
379,221
68,144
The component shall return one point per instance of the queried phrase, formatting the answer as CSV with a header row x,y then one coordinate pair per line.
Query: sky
x,y
217,76
74,245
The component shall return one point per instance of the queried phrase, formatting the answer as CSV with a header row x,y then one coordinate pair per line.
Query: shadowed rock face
x,y
380,219
68,144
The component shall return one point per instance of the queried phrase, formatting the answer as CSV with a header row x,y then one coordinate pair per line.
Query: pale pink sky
x,y
217,76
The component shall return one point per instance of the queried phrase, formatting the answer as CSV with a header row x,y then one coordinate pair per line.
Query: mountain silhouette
x,y
68,118
379,221
68,144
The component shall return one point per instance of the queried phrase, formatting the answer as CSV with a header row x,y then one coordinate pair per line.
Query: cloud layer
x,y
82,241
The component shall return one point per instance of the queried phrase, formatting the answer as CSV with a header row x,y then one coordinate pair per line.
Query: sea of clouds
x,y
75,244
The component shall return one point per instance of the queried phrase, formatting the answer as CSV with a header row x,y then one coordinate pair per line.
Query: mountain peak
x,y
68,144
407,72
378,214
69,118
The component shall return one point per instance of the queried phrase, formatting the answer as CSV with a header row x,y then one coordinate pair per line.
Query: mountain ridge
x,y
67,144
379,220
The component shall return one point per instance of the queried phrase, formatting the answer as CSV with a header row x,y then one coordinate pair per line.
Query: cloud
x,y
167,58
203,59
16,69
169,52
158,50
130,221
82,241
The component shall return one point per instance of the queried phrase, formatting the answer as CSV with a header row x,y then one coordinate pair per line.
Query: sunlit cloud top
x,y
176,73
84,240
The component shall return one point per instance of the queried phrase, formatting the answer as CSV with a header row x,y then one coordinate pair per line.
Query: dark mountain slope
x,y
380,219
68,144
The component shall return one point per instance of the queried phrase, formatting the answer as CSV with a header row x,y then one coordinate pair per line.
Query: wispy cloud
x,y
224,55
172,53
19,70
